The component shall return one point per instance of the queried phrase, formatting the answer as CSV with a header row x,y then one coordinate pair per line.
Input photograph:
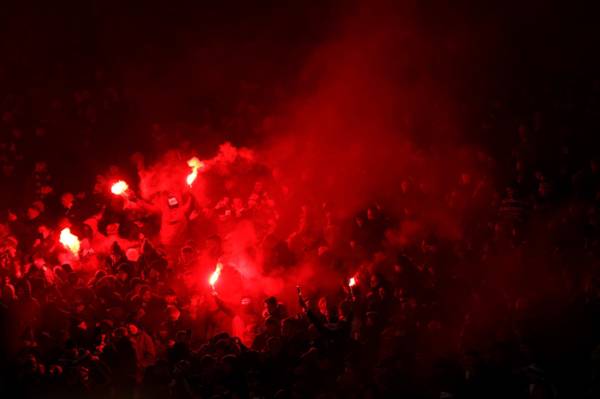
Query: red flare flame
x,y
119,188
352,282
195,164
215,276
69,240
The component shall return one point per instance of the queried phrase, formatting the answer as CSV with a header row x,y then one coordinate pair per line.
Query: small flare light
x,y
119,188
195,164
215,276
69,240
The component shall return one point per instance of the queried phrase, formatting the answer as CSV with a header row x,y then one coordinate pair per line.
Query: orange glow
x,y
119,188
352,282
215,276
195,164
69,240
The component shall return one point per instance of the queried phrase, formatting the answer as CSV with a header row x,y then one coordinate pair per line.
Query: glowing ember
x,y
69,240
195,164
119,187
352,282
215,276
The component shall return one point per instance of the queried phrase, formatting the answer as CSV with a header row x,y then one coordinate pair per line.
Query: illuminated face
x,y
323,305
44,231
67,200
370,214
270,307
32,213
174,315
40,167
171,299
147,296
374,281
133,330
132,254
237,203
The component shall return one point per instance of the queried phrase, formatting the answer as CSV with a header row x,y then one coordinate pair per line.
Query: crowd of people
x,y
510,309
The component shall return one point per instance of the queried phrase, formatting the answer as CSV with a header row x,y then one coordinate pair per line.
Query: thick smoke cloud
x,y
372,110
373,114
376,110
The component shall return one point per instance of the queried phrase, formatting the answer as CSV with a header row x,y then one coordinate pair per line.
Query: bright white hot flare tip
x,y
195,164
119,187
215,276
69,240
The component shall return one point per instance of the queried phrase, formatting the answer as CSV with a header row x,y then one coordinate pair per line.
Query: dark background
x,y
216,71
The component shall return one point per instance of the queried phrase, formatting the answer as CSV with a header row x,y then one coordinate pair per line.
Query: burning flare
x,y
69,240
195,164
215,276
119,188
352,282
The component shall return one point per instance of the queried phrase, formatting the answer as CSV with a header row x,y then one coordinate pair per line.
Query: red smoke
x,y
374,113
